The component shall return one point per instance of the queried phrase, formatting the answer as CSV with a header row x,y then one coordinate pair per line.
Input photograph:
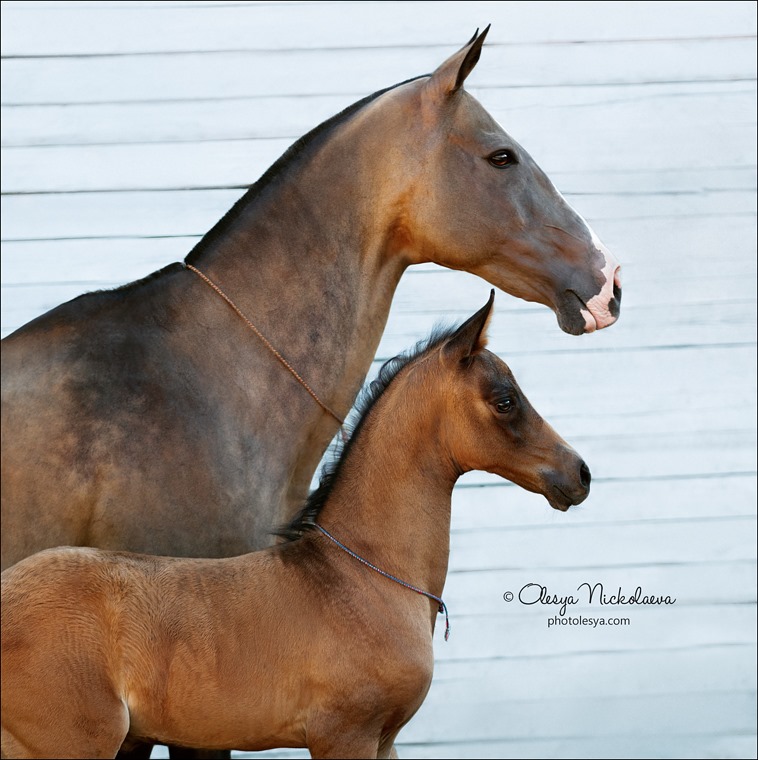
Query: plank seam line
x,y
605,524
620,566
357,95
206,188
374,48
583,737
537,86
588,652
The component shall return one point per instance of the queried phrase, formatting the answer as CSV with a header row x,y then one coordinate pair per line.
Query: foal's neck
x,y
391,500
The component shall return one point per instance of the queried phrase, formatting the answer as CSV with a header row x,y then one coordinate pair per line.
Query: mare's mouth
x,y
572,314
590,315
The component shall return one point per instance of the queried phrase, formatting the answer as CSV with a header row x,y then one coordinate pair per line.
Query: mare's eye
x,y
502,158
505,405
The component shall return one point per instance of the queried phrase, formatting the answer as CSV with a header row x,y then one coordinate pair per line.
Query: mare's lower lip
x,y
590,323
569,310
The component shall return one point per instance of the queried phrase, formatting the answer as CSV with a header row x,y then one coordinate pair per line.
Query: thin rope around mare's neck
x,y
207,280
440,604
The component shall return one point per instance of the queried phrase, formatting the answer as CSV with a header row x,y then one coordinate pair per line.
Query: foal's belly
x,y
257,717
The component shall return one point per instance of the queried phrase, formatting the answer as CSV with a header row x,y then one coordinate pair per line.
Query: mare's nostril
x,y
584,475
614,307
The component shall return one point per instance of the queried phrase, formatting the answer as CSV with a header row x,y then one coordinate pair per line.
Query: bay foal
x,y
298,645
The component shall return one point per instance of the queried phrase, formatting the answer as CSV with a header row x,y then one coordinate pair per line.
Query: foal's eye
x,y
504,406
502,158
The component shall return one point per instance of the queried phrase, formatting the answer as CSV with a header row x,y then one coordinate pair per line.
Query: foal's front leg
x,y
351,742
143,751
344,745
183,753
387,748
332,737
135,751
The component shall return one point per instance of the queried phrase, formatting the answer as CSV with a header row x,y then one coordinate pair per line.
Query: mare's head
x,y
475,200
487,423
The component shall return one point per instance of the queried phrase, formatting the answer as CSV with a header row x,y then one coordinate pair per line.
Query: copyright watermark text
x,y
590,594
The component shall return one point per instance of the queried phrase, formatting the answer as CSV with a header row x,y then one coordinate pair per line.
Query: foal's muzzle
x,y
567,485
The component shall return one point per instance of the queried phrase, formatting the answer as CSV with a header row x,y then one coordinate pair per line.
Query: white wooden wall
x,y
127,130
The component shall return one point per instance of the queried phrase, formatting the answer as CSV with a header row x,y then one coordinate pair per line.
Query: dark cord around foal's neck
x,y
441,608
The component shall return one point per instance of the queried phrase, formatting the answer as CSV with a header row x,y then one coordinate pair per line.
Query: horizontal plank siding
x,y
576,109
128,129
33,29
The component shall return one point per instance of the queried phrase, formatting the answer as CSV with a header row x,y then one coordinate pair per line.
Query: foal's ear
x,y
450,75
471,337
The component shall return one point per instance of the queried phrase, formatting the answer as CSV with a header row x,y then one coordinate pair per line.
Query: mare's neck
x,y
316,273
391,500
313,260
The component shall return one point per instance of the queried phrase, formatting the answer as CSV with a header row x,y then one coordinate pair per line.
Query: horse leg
x,y
135,752
183,753
68,733
387,747
341,739
142,752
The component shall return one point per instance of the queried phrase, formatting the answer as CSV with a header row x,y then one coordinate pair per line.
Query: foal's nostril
x,y
584,475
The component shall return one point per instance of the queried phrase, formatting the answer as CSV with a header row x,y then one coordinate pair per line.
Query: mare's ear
x,y
450,75
471,337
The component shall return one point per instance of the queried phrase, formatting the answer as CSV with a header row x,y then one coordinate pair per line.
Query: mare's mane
x,y
282,166
277,171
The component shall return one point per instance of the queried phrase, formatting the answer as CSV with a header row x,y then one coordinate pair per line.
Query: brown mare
x,y
297,645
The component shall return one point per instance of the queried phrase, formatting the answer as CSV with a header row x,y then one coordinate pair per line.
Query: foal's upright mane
x,y
330,472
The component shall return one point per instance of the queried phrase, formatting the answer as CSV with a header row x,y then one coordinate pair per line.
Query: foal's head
x,y
487,423
458,401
